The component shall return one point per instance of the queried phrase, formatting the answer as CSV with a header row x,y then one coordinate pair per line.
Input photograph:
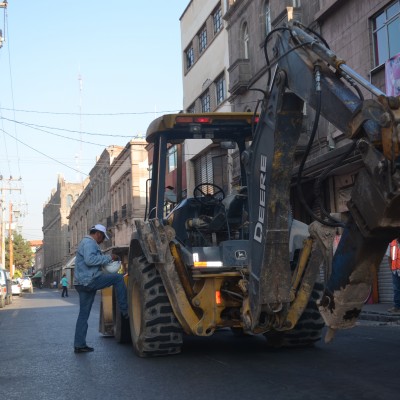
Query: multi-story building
x,y
128,187
55,227
205,59
39,263
204,42
92,206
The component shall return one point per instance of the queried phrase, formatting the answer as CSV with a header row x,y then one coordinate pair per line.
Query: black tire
x,y
122,332
308,329
155,330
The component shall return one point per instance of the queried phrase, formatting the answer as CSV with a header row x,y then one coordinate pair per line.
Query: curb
x,y
375,316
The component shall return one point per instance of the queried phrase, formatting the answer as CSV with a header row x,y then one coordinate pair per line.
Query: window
x,y
203,39
245,40
171,158
69,201
205,103
189,57
267,17
220,88
217,19
386,32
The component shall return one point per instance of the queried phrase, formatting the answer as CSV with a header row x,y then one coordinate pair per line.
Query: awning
x,y
37,275
70,264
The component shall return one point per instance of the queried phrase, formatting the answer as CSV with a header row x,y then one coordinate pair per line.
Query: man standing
x,y
394,262
64,284
89,278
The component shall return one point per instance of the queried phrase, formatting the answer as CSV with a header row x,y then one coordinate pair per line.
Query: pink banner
x,y
392,76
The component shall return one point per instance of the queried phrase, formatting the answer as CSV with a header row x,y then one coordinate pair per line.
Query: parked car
x,y
5,288
16,288
26,284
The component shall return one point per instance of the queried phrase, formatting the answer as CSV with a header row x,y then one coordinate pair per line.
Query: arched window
x,y
245,40
69,200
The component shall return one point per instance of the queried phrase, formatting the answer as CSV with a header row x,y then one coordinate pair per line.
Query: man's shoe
x,y
85,349
394,310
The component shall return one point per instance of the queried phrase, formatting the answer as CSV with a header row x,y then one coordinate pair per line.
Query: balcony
x,y
239,76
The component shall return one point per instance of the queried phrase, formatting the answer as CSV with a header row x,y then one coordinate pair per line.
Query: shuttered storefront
x,y
385,282
211,167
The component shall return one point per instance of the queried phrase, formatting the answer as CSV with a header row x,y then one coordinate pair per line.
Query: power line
x,y
12,86
43,154
64,129
93,114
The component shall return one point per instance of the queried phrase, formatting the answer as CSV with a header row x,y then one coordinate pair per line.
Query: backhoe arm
x,y
307,71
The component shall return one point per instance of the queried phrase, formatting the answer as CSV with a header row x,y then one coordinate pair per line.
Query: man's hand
x,y
115,257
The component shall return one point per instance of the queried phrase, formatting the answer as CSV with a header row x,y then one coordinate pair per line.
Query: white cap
x,y
100,228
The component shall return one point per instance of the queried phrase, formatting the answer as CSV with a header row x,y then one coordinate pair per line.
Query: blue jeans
x,y
396,290
86,298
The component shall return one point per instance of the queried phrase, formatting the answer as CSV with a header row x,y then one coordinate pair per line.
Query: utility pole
x,y
3,189
11,243
3,4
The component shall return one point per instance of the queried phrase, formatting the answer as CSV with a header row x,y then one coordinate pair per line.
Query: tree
x,y
22,253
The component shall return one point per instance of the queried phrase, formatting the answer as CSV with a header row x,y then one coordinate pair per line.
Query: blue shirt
x,y
64,281
89,261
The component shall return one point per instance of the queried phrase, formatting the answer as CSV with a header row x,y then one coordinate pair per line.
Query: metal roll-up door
x,y
210,167
385,285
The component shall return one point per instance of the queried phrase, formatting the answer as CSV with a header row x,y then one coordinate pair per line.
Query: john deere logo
x,y
241,255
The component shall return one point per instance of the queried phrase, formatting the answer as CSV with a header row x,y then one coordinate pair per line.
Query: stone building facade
x,y
55,228
93,205
348,28
128,182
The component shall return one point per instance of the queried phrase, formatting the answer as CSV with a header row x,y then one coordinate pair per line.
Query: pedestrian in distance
x,y
89,277
55,284
394,262
64,284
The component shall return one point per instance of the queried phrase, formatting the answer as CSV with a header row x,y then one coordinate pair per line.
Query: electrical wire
x,y
43,154
66,130
62,136
12,89
93,114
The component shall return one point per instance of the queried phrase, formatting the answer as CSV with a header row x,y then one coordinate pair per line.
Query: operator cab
x,y
210,221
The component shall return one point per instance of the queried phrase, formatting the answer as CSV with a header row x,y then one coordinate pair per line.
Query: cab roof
x,y
214,126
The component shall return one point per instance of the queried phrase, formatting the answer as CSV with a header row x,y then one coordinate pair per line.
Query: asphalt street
x,y
37,362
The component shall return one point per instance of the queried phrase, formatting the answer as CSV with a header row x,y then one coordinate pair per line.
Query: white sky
x,y
129,58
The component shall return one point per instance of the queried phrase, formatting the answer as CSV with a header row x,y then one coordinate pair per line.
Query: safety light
x,y
183,120
218,297
202,120
205,264
191,120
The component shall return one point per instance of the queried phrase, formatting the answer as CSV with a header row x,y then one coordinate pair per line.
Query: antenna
x,y
79,156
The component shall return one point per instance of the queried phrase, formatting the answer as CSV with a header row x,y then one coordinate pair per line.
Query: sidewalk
x,y
378,312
